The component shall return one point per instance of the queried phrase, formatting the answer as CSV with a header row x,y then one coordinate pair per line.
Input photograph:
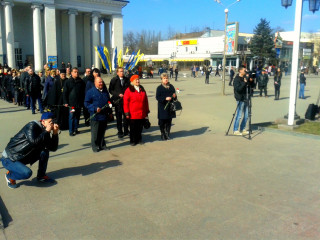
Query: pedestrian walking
x,y
303,83
231,76
277,83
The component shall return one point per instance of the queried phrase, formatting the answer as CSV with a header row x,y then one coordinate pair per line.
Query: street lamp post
x,y
225,42
313,6
224,53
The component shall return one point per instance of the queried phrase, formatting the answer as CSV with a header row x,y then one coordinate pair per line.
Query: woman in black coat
x,y
165,93
277,83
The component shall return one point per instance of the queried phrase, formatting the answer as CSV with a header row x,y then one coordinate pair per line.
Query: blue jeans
x,y
27,101
74,119
242,108
301,91
19,171
33,99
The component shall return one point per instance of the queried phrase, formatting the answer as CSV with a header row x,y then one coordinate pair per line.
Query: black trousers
x,y
165,127
176,77
277,91
264,90
122,122
62,115
98,129
206,80
86,114
231,79
136,126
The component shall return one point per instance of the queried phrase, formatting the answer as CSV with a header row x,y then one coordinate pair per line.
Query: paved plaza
x,y
200,185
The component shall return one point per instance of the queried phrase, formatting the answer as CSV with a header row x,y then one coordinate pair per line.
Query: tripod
x,y
249,105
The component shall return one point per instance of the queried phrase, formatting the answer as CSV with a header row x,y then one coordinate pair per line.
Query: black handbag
x,y
175,106
146,123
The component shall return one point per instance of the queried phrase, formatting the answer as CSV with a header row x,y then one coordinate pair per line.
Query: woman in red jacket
x,y
136,108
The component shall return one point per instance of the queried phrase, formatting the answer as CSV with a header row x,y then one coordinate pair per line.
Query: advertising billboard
x,y
232,32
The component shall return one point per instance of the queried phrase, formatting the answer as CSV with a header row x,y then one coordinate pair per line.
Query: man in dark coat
x,y
61,112
87,77
32,143
33,89
96,101
231,76
73,97
117,87
263,80
23,78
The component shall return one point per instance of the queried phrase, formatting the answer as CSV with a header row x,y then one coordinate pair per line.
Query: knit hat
x,y
47,115
134,77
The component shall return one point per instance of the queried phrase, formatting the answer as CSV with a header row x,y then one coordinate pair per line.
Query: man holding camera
x,y
240,85
32,143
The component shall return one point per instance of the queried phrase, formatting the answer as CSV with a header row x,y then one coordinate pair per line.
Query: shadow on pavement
x,y
18,110
73,171
184,133
59,154
84,170
6,218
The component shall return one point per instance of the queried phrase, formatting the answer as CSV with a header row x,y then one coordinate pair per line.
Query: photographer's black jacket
x,y
28,143
239,88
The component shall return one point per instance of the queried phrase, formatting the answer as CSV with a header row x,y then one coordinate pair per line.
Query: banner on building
x,y
187,42
232,32
53,61
307,53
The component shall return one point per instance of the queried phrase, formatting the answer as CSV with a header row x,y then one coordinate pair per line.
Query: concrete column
x,y
73,37
87,41
237,62
95,38
107,38
9,33
37,33
50,31
117,34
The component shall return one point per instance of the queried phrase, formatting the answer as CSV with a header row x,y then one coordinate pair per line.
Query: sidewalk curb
x,y
291,133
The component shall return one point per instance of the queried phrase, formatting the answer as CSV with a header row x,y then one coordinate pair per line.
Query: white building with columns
x,y
60,30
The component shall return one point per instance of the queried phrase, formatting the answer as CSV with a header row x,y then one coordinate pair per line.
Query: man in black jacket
x,y
231,76
240,90
23,79
86,114
117,87
73,97
263,80
32,143
33,90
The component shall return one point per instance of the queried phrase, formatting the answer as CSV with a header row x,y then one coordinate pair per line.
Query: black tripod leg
x,y
232,119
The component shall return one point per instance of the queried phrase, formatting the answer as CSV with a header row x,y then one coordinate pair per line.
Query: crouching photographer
x,y
32,143
242,91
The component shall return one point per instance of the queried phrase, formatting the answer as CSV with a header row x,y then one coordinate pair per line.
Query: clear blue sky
x,y
181,15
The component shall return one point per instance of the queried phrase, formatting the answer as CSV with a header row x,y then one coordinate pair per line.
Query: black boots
x,y
167,131
163,138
